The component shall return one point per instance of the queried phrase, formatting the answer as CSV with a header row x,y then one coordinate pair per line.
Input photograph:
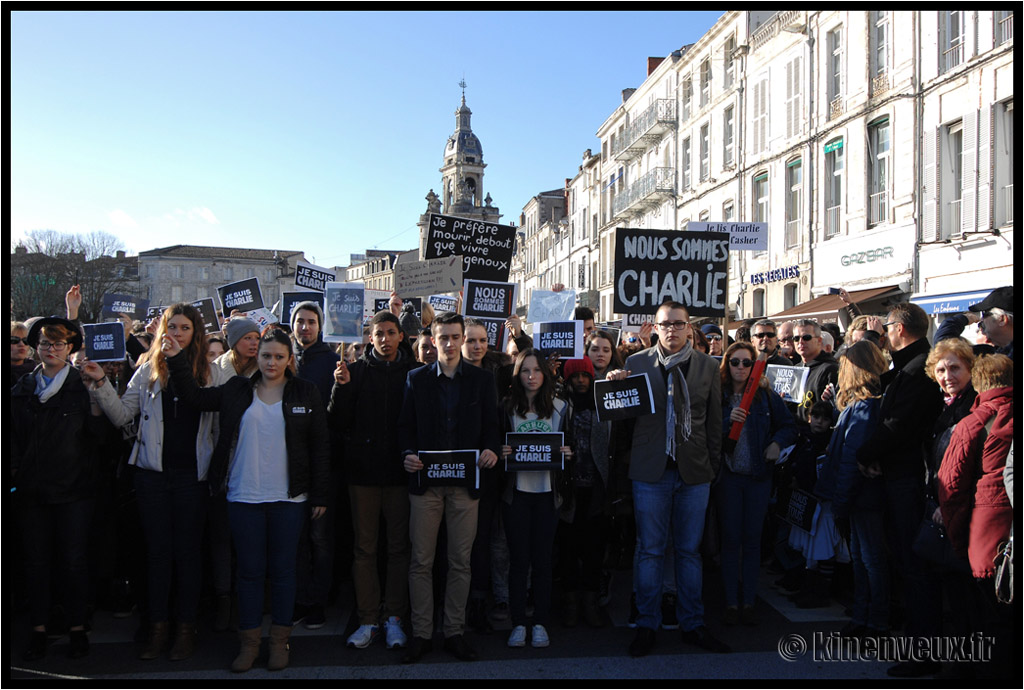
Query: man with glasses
x,y
824,368
675,455
764,336
786,348
714,336
994,316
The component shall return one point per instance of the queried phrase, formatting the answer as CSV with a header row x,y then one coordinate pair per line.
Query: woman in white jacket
x,y
171,457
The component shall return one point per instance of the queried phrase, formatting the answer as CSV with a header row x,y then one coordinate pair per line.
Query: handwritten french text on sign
x,y
742,236
789,382
654,266
104,342
290,299
245,295
625,399
449,468
547,305
443,303
563,337
343,312
419,278
134,307
489,299
208,310
485,248
534,451
799,508
313,277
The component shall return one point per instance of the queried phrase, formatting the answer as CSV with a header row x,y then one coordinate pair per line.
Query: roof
x,y
188,251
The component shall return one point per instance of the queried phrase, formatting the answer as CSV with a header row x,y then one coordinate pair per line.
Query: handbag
x,y
1004,572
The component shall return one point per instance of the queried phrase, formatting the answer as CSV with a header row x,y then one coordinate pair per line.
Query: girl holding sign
x,y
745,482
273,458
530,500
171,458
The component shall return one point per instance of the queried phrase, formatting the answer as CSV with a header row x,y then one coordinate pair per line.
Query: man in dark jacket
x,y
364,408
315,362
911,402
824,368
764,335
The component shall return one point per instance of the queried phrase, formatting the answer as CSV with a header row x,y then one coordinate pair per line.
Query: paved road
x,y
579,652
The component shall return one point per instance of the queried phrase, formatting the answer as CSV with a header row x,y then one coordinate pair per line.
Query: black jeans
x,y
530,523
581,545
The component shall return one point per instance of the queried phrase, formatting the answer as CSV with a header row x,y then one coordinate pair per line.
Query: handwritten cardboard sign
x,y
534,451
104,342
420,278
625,399
486,248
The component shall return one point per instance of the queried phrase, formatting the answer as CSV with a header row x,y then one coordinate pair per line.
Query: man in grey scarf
x,y
675,455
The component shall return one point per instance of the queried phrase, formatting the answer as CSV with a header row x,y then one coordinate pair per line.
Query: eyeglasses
x,y
766,334
15,340
787,339
673,325
745,363
890,323
805,337
59,345
713,337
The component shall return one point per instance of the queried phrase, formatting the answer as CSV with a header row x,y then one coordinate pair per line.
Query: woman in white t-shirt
x,y
530,498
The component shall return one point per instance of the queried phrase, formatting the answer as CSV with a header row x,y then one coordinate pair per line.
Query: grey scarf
x,y
675,377
46,392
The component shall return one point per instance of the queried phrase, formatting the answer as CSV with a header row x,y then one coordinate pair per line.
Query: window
x,y
794,201
687,97
758,302
880,47
790,296
834,72
951,40
760,110
229,273
705,82
952,182
794,97
760,198
1004,26
728,137
705,152
176,293
878,171
728,62
727,211
833,186
704,216
1002,158
686,163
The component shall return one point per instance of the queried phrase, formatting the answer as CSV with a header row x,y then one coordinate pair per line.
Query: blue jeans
x,y
670,504
870,569
742,505
266,539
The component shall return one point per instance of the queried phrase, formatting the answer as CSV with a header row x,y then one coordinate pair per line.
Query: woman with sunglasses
x,y
56,435
744,484
21,354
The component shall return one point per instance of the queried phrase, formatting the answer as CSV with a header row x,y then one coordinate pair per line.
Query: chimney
x,y
120,254
652,64
626,93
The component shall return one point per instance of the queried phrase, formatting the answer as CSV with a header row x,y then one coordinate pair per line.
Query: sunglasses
x,y
768,334
745,363
713,337
805,337
15,340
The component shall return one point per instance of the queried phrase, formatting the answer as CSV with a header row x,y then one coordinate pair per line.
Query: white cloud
x,y
204,214
120,219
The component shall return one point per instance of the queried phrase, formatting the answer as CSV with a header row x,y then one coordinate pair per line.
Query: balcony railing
x,y
1005,29
952,56
831,221
1008,201
646,129
647,192
792,233
836,107
878,208
879,84
954,218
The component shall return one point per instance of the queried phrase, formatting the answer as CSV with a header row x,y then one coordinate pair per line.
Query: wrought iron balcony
x,y
646,129
878,208
646,193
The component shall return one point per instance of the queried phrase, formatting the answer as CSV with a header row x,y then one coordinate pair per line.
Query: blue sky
x,y
313,131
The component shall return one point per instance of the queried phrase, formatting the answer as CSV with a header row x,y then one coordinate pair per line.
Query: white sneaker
x,y
395,635
517,638
539,638
363,636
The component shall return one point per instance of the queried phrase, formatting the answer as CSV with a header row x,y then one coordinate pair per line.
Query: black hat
x,y
1000,298
75,341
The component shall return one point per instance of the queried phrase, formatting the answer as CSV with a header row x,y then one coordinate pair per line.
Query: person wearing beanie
x,y
713,334
411,325
315,362
243,336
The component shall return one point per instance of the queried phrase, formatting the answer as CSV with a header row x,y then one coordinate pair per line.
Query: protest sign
x,y
497,334
208,310
104,342
290,299
381,304
547,305
742,236
154,312
418,278
631,323
654,266
343,312
799,508
262,317
449,468
312,277
443,303
630,397
114,304
534,451
485,248
563,337
488,299
615,333
789,382
371,298
243,295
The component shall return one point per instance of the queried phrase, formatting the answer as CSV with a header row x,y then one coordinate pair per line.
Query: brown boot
x,y
279,635
159,633
248,651
184,642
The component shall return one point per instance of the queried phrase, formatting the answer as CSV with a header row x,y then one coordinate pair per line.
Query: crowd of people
x,y
207,464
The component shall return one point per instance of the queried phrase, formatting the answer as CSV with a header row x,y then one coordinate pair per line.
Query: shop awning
x,y
826,308
950,303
